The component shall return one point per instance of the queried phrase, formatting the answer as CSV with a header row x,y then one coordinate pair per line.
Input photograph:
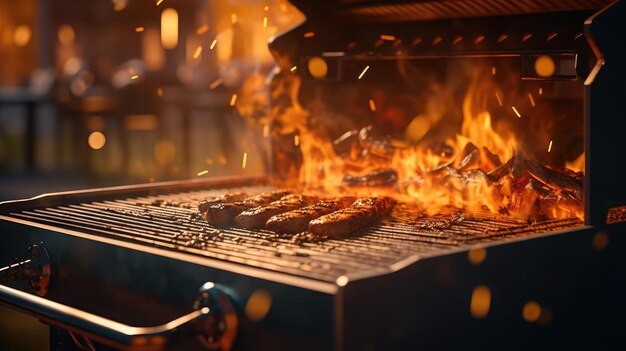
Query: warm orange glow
x,y
480,302
265,22
531,99
96,140
318,67
169,28
545,66
66,35
437,40
164,152
233,100
387,37
477,256
159,92
139,29
233,18
309,34
493,70
258,305
22,35
296,140
531,311
502,38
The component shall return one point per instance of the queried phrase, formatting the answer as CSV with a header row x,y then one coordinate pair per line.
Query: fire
x,y
481,166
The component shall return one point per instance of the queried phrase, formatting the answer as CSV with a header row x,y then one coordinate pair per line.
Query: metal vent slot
x,y
173,226
448,9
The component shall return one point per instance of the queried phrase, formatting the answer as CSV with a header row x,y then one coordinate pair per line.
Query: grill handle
x,y
202,322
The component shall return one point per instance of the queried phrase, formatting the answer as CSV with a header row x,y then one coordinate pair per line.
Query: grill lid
x,y
398,11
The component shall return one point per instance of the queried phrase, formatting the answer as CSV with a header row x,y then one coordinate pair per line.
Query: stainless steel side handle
x,y
217,330
213,320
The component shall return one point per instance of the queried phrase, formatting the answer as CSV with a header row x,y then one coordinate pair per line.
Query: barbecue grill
x,y
136,268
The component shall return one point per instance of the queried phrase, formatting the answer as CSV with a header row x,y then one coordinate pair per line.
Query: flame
x,y
436,180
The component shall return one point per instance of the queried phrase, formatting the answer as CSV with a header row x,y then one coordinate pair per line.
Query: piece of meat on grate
x,y
360,214
255,218
297,221
225,213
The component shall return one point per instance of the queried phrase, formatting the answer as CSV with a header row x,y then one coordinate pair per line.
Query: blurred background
x,y
109,92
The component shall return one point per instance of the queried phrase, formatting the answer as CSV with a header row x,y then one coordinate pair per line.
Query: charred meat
x,y
230,197
256,217
359,215
378,177
297,221
225,213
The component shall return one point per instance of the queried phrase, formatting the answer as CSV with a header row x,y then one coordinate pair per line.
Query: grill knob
x,y
218,328
35,269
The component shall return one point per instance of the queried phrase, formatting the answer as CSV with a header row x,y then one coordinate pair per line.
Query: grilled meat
x,y
360,214
224,213
297,221
230,197
256,217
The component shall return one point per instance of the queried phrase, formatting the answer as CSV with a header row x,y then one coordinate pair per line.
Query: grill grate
x,y
170,222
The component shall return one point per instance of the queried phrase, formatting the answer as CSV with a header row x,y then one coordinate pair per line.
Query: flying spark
x,y
296,140
203,172
233,100
493,70
499,99
532,100
139,29
266,130
540,91
233,18
294,68
550,146
516,112
265,22
387,37
216,83
213,44
133,77
372,105
309,34
159,2
197,53
202,29
363,73
244,161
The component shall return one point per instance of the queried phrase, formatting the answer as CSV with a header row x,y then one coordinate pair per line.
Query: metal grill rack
x,y
171,222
